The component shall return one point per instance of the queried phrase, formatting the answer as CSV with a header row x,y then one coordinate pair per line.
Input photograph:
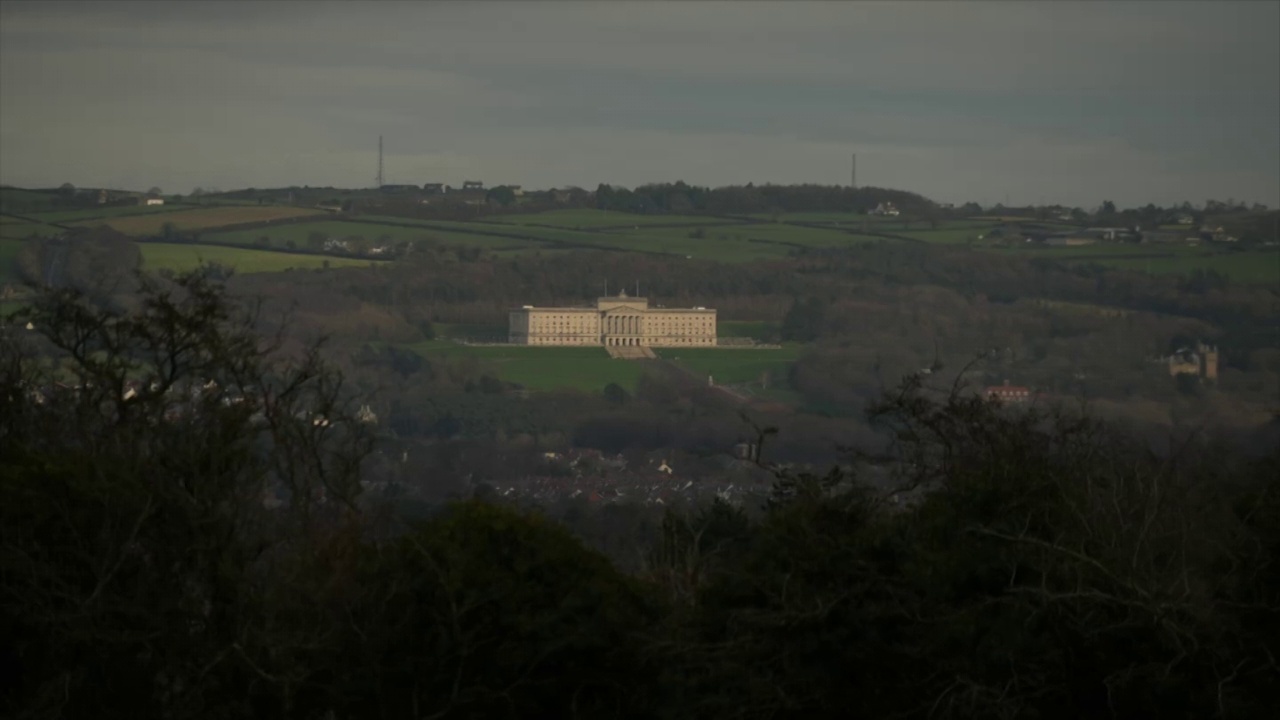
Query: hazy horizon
x,y
995,102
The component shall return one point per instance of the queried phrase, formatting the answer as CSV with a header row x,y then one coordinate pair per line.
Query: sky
x,y
1014,102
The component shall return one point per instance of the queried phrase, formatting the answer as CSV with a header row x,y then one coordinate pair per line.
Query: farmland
x,y
1261,267
16,200
201,219
298,233
8,253
1243,266
588,218
178,257
99,213
545,368
19,230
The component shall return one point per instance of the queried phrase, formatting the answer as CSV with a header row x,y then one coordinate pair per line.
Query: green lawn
x,y
587,218
731,365
178,257
545,368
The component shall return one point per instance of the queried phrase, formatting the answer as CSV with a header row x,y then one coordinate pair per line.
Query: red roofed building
x,y
1007,393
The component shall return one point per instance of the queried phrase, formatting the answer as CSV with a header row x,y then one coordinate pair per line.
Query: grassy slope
x,y
177,257
731,365
546,368
23,230
299,232
8,252
199,219
587,218
97,213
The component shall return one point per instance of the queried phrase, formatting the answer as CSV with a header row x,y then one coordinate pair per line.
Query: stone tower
x,y
1208,361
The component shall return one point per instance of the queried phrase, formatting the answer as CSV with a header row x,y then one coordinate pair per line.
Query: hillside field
x,y
200,219
732,365
1244,266
101,213
8,254
545,368
297,233
590,368
19,230
1254,267
587,218
179,257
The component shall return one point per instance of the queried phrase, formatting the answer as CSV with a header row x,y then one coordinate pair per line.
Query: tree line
x,y
199,548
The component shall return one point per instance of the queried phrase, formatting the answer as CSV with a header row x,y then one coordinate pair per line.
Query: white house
x,y
153,201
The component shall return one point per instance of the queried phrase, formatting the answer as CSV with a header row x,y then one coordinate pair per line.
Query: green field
x,y
1260,267
545,368
21,202
95,213
588,218
8,254
946,236
833,218
22,230
1244,266
178,257
731,365
673,241
280,236
199,218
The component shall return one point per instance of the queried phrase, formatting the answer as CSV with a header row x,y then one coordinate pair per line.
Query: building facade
x,y
1202,360
614,321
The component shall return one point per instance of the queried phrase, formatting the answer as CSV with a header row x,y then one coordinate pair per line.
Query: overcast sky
x,y
1022,101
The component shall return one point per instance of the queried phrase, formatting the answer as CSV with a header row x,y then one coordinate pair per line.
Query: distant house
x,y
1070,240
516,190
435,188
885,208
1007,393
1173,236
1201,361
472,185
151,201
